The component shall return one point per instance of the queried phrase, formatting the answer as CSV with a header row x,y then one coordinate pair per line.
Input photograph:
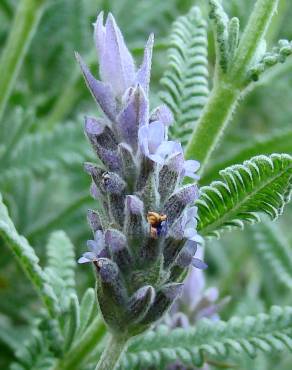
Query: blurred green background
x,y
42,148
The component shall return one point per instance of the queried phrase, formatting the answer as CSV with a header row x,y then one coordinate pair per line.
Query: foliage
x,y
274,252
250,334
185,81
261,184
57,325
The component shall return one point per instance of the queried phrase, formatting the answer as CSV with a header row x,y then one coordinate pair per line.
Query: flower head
x,y
145,230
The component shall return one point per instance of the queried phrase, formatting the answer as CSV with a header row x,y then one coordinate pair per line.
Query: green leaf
x,y
260,185
185,81
264,332
87,309
34,352
61,266
221,22
273,251
41,152
28,260
73,321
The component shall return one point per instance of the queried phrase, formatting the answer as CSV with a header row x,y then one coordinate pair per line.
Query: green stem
x,y
214,119
112,353
82,348
254,33
23,28
228,88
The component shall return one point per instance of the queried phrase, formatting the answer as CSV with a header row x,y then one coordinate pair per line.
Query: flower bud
x,y
140,303
164,298
169,175
178,201
116,242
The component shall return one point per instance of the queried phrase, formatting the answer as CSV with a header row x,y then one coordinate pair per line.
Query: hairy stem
x,y
112,353
229,87
212,122
253,34
83,347
23,28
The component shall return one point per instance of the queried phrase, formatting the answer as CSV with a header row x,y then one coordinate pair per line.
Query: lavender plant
x,y
159,195
145,231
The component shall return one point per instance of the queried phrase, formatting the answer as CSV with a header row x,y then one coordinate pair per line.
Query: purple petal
x,y
94,126
143,74
190,233
116,63
134,204
156,132
93,246
156,158
83,260
193,287
115,239
133,116
199,264
99,238
94,192
143,140
168,148
175,162
99,35
87,257
100,91
94,220
162,114
190,167
197,238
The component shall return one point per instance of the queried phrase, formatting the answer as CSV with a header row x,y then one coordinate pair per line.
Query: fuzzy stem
x,y
112,353
254,33
228,88
82,348
24,25
210,127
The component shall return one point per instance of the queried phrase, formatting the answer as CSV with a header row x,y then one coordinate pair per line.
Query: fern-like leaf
x,y
274,252
41,152
260,185
28,260
34,353
87,309
185,81
61,266
73,321
264,332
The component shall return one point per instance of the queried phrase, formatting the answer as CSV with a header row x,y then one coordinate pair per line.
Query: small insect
x,y
158,224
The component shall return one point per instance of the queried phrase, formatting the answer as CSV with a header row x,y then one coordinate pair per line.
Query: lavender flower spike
x,y
144,231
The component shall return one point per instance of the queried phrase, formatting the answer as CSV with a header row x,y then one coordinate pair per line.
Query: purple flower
x,y
153,144
196,301
96,248
116,65
139,173
190,168
189,225
162,114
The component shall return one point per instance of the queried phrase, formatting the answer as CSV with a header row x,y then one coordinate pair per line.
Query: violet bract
x,y
145,231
